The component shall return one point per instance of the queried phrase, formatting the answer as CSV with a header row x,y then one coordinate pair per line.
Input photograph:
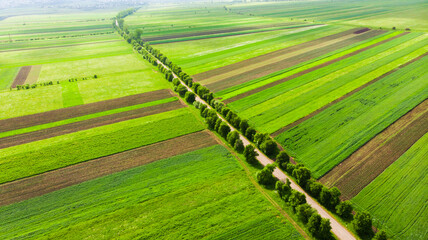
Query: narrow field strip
x,y
33,76
243,64
368,162
7,75
81,110
54,180
397,198
303,72
61,151
272,65
87,124
70,94
278,132
22,76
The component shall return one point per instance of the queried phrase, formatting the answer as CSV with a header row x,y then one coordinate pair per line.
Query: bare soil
x,y
81,110
256,90
87,124
287,62
368,162
54,180
22,76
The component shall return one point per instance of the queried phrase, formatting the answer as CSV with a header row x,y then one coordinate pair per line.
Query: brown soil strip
x,y
59,46
288,62
22,76
81,110
251,92
345,96
368,162
245,63
362,30
52,181
33,76
87,124
209,32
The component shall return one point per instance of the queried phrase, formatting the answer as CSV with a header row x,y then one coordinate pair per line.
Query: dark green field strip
x,y
87,124
272,84
216,31
288,62
245,63
59,29
81,110
55,180
199,37
65,150
278,132
58,46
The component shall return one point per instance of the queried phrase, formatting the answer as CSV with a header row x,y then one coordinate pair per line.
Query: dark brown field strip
x,y
261,58
59,46
81,110
54,180
22,76
269,85
218,31
368,162
345,96
288,62
87,124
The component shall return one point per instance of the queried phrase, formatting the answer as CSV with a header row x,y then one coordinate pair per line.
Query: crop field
x,y
397,197
206,184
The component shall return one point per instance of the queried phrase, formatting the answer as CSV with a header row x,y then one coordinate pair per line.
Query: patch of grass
x,y
158,200
64,150
70,94
7,75
397,198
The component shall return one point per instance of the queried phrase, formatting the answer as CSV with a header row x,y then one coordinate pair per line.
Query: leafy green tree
x,y
282,159
249,133
181,90
304,212
362,224
269,147
176,82
232,137
284,189
211,121
202,108
296,198
344,209
381,235
265,176
302,175
324,231
259,138
239,145
137,34
243,126
250,154
217,124
223,129
330,197
189,97
314,224
314,188
290,168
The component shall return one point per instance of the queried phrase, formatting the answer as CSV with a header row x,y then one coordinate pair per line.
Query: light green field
x,y
326,139
397,198
65,150
7,75
159,200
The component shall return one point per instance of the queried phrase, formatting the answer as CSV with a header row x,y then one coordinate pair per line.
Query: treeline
x,y
49,83
329,198
56,37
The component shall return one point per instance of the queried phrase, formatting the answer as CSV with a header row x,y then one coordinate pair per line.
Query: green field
x,y
397,198
202,194
65,150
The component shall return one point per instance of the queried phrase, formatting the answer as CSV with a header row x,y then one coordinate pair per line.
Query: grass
x,y
7,75
158,200
397,198
70,94
328,138
64,150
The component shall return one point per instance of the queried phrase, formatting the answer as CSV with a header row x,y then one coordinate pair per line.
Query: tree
x,y
290,168
302,175
314,188
202,108
239,145
175,81
211,121
217,124
232,137
314,224
330,197
259,138
250,154
265,176
362,224
284,189
324,231
137,34
223,129
381,235
189,97
344,209
269,147
243,126
282,159
304,212
249,133
296,198
181,89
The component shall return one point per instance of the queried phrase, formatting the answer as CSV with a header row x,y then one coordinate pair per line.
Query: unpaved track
x,y
22,76
269,85
81,110
338,229
368,162
278,132
87,124
47,182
